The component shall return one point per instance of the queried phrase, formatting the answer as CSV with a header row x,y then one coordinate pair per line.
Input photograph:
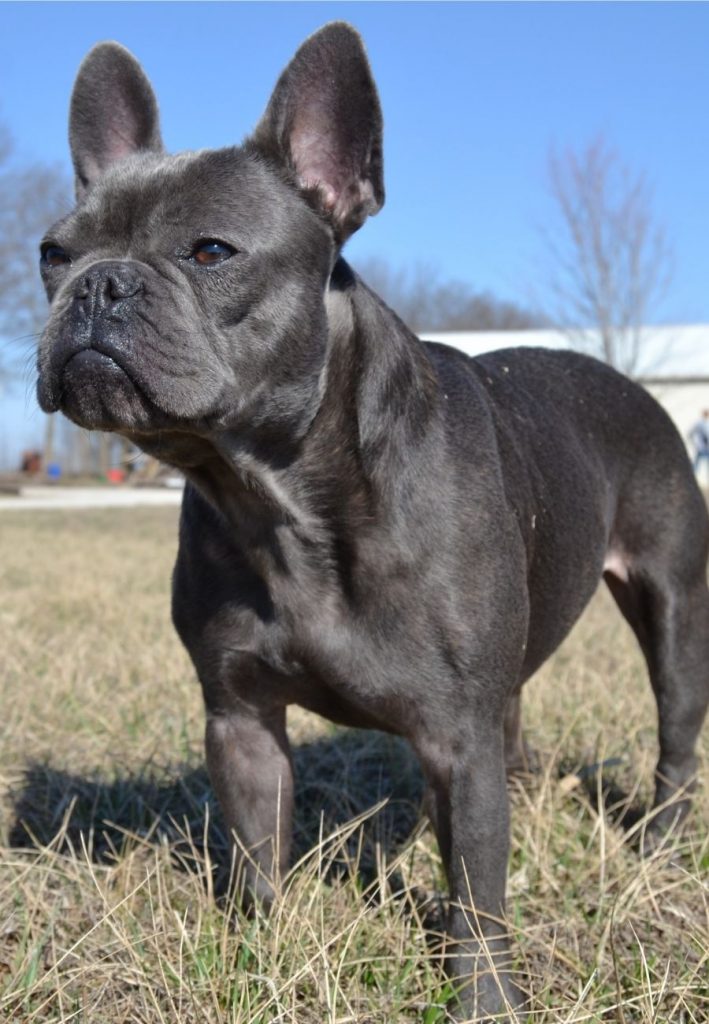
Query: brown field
x,y
111,840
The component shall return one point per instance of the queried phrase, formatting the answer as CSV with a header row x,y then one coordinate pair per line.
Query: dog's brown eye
x,y
54,255
212,252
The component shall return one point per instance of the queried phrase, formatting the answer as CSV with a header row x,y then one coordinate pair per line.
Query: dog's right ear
x,y
324,125
113,113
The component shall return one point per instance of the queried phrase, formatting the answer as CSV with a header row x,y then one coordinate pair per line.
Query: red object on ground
x,y
115,476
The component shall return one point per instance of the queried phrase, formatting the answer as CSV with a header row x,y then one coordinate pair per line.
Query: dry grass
x,y
111,838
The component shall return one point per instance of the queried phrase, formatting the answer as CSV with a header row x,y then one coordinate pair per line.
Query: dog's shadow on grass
x,y
337,778
601,790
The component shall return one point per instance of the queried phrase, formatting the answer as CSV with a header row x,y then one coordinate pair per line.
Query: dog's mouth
x,y
96,391
91,368
91,360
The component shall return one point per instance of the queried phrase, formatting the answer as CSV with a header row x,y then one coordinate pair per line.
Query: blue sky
x,y
473,96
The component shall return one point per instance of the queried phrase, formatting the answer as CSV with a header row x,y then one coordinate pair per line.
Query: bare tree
x,y
611,262
425,303
32,196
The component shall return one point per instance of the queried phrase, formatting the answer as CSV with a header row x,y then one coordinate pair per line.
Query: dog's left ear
x,y
324,124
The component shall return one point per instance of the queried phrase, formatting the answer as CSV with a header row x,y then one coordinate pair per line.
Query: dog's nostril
x,y
104,287
118,287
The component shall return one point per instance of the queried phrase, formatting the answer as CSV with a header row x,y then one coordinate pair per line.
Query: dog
x,y
380,530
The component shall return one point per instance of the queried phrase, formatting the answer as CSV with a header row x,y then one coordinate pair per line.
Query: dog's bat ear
x,y
324,123
113,113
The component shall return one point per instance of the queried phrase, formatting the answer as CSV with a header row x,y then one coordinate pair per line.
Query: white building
x,y
673,366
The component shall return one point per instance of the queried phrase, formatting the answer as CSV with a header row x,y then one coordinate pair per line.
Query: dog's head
x,y
189,290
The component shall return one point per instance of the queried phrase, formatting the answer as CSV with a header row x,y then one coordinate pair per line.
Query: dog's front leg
x,y
249,763
467,800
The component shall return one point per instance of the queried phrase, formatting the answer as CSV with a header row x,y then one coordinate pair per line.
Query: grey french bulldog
x,y
380,530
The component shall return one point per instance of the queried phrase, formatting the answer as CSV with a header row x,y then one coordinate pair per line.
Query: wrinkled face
x,y
185,292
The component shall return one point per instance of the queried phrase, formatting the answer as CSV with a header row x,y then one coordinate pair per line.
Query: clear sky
x,y
473,96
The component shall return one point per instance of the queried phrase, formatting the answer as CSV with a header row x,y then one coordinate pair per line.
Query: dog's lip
x,y
101,359
90,355
98,359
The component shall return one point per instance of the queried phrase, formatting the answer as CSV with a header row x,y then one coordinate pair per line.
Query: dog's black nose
x,y
102,287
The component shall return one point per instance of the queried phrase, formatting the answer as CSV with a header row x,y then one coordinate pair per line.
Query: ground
x,y
111,840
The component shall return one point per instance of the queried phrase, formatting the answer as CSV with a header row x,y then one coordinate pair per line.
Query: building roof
x,y
679,352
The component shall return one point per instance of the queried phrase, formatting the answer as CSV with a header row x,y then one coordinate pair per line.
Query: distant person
x,y
699,436
31,462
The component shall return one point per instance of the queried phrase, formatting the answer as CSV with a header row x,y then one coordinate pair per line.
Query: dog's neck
x,y
377,400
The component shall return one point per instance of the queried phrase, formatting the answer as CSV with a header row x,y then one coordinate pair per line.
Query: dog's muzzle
x,y
94,331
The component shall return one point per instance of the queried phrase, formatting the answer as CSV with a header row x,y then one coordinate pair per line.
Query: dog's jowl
x,y
380,530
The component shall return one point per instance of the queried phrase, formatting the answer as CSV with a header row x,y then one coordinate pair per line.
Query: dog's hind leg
x,y
662,592
518,757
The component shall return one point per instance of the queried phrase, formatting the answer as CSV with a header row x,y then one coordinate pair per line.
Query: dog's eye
x,y
53,255
210,251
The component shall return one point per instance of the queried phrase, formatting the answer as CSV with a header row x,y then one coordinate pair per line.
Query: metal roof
x,y
679,352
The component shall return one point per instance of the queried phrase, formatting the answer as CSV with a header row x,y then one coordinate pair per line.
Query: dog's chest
x,y
351,636
376,641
